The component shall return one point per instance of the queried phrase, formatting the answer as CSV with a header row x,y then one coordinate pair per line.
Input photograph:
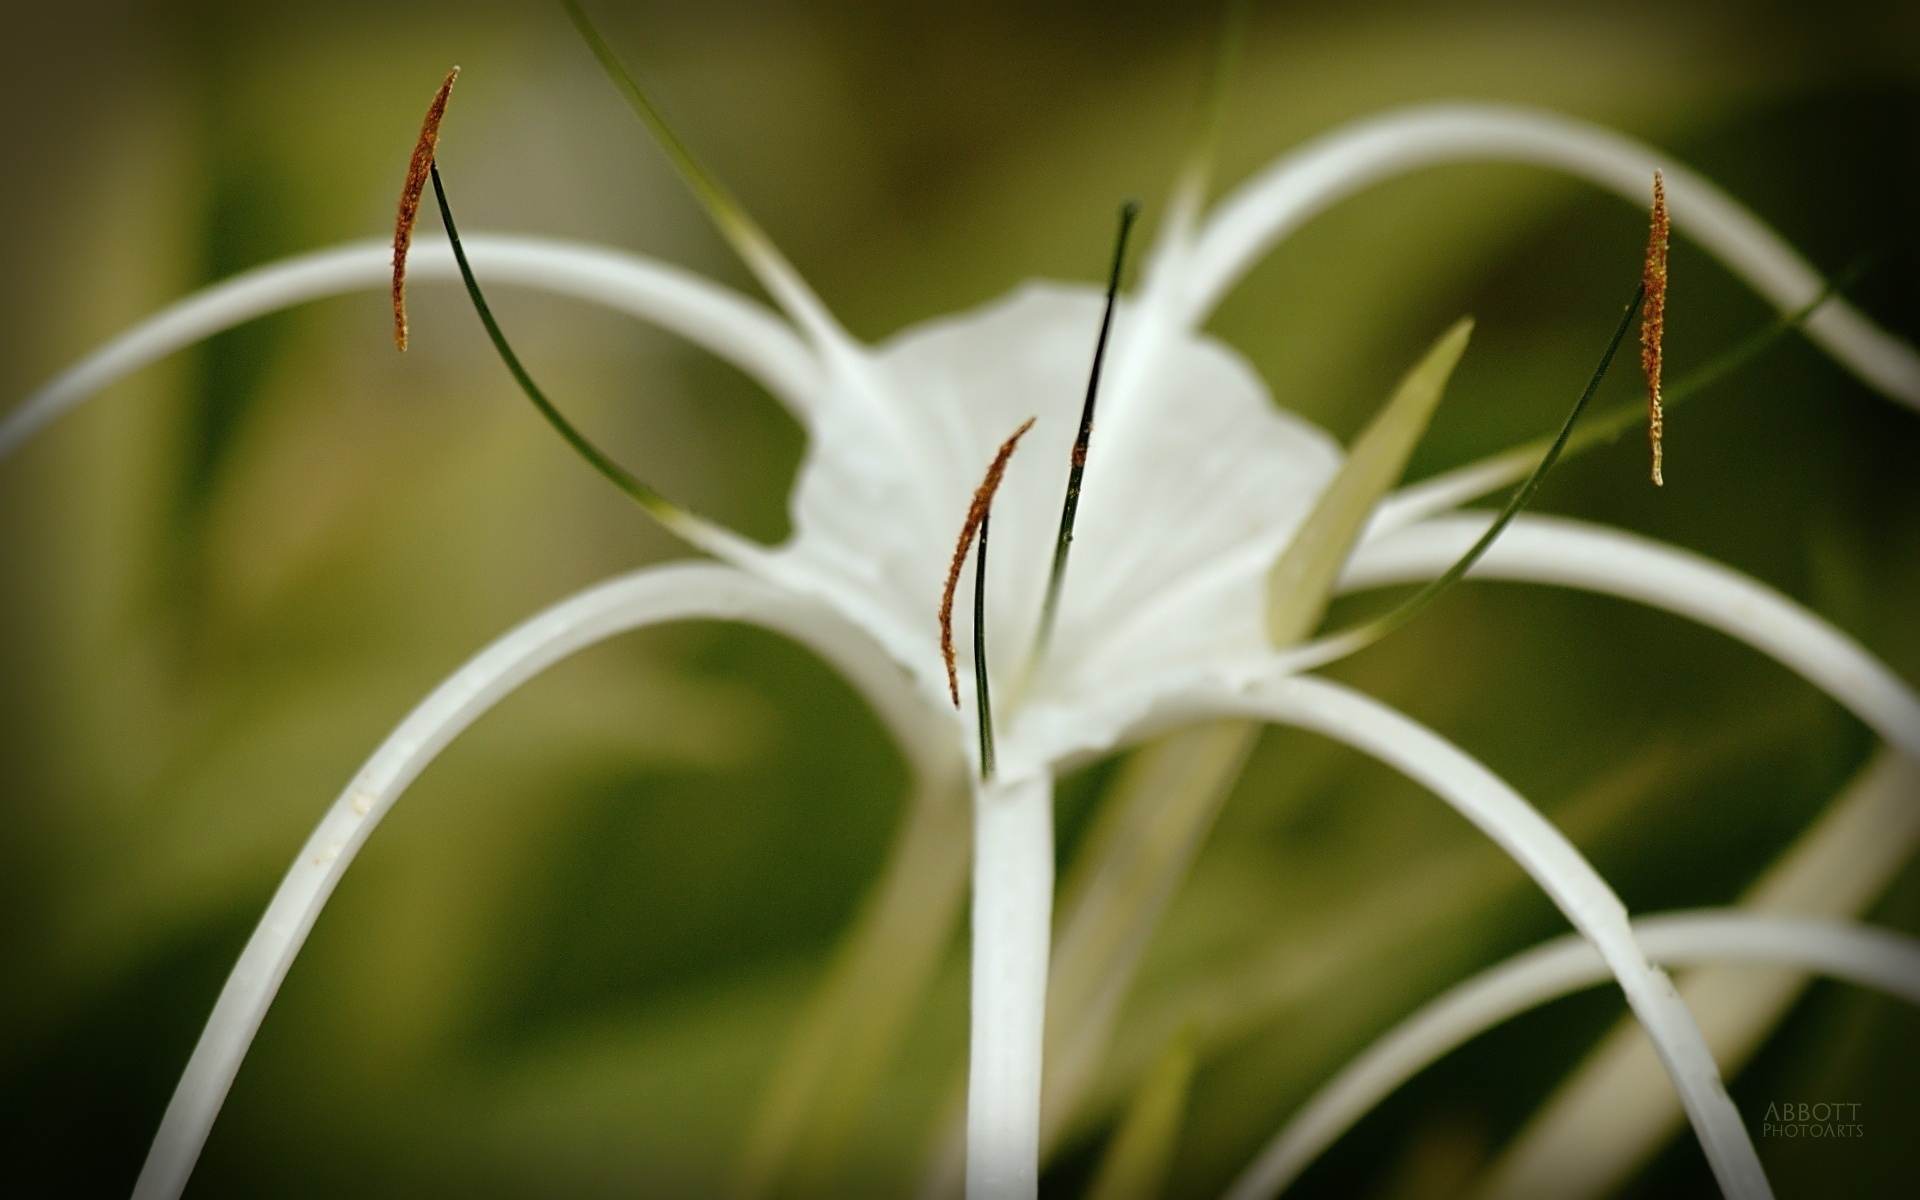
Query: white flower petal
x,y
1616,1110
731,326
1285,195
653,596
1448,490
1182,511
1875,958
1546,855
1555,550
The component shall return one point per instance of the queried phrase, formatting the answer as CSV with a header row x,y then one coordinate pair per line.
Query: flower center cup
x,y
1195,481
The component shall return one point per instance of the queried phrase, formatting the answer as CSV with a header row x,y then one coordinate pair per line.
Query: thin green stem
x,y
1361,636
665,511
725,209
766,262
1077,468
981,691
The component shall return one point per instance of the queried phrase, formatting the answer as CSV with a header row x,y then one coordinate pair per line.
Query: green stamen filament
x,y
1340,645
1077,468
665,511
982,693
726,211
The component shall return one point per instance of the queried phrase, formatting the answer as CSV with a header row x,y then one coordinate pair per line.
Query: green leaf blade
x,y
1137,1159
1303,578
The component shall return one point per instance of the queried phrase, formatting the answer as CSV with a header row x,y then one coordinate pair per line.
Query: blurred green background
x,y
569,960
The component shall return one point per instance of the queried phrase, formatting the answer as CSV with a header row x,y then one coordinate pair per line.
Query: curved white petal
x,y
1875,958
1012,933
1314,177
843,355
731,326
1546,855
1614,1112
652,596
1448,490
1556,550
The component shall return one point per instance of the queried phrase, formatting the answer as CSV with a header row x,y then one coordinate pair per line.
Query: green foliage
x,y
1300,583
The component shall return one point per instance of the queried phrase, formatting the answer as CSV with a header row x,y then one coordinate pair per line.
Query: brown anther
x,y
1653,320
976,512
417,172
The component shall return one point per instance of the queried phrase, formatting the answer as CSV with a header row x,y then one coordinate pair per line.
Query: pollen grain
x,y
417,172
1653,322
976,513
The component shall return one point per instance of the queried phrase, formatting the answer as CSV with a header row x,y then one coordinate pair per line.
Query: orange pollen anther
x,y
1653,321
976,512
417,172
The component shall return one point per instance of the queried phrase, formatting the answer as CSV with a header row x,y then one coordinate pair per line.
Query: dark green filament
x,y
659,506
725,210
1372,631
1056,577
982,693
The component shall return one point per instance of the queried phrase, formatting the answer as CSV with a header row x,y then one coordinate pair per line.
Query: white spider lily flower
x,y
1195,485
1183,511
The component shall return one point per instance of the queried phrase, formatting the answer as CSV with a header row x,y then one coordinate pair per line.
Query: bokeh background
x,y
569,960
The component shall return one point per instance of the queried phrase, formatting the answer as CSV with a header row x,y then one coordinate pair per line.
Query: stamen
x,y
1339,645
417,171
748,240
697,176
982,694
1077,466
976,518
663,510
1653,321
1605,428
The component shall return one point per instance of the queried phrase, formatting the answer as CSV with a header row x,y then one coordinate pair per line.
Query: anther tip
x,y
976,513
1653,322
418,170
